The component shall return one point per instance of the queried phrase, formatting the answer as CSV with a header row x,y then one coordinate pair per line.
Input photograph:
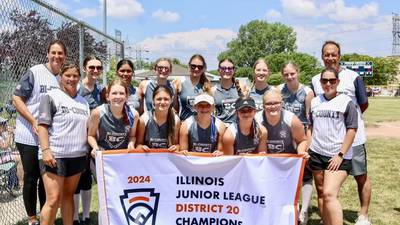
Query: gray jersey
x,y
92,97
279,136
203,140
156,136
112,133
67,119
225,103
34,84
133,99
186,98
243,143
257,95
148,95
295,102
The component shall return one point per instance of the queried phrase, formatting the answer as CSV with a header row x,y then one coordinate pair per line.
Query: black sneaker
x,y
87,221
76,222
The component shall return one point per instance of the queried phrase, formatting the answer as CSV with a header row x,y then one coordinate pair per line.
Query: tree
x,y
385,69
257,39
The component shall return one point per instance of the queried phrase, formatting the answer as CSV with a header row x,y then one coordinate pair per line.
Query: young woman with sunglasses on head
x,y
192,87
226,92
63,120
333,122
159,128
260,85
162,68
126,71
297,99
202,132
247,135
34,84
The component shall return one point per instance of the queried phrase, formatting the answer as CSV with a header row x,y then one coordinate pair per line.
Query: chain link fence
x,y
26,29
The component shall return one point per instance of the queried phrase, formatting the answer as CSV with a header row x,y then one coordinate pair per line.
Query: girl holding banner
x,y
334,125
247,135
159,128
202,132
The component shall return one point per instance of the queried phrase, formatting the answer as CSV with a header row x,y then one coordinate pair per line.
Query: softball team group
x,y
64,121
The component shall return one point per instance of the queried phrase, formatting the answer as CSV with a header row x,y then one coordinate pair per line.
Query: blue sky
x,y
180,28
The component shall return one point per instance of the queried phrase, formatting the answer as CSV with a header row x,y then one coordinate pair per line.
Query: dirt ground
x,y
386,129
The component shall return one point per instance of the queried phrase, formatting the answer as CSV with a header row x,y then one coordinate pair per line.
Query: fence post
x,y
81,47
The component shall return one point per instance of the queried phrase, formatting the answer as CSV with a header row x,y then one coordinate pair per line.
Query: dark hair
x,y
171,112
235,81
58,42
163,59
118,81
123,62
203,78
330,42
256,134
68,66
91,57
333,70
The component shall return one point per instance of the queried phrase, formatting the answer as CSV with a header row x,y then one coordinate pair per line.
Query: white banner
x,y
161,188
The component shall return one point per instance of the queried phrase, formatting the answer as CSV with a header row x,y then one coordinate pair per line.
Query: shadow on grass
x,y
93,218
349,216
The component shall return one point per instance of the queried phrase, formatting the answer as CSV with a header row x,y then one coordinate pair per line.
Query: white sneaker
x,y
362,220
303,218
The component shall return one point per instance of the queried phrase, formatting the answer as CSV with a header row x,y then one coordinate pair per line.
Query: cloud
x,y
335,10
165,16
86,12
58,4
123,9
208,42
273,15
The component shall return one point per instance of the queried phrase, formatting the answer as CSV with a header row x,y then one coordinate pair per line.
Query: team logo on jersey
x,y
283,134
140,206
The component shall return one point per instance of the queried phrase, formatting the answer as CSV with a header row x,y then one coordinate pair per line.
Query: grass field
x,y
384,171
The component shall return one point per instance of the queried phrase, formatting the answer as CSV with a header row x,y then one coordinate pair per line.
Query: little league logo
x,y
140,206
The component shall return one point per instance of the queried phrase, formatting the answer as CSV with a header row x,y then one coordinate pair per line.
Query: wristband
x,y
340,155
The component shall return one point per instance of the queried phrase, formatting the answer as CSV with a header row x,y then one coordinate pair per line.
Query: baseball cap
x,y
2,120
204,98
245,102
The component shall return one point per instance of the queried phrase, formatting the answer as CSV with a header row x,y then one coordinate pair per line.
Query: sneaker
x,y
76,222
303,218
34,223
362,220
87,221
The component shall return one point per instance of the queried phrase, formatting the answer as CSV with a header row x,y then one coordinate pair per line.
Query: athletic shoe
x,y
87,221
34,223
76,222
303,218
362,220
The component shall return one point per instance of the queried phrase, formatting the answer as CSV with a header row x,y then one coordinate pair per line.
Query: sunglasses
x,y
227,68
272,103
194,66
95,67
162,68
331,81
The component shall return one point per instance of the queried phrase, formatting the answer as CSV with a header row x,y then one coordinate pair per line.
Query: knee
x,y
329,196
53,200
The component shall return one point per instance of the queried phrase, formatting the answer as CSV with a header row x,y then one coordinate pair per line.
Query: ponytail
x,y
171,125
237,85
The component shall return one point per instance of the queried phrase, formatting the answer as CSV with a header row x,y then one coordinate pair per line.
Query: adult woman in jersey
x,y
285,131
91,91
226,92
63,117
159,128
126,71
202,132
333,122
247,135
297,99
162,69
33,85
192,87
260,85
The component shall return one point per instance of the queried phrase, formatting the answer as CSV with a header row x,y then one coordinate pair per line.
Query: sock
x,y
76,206
306,194
86,200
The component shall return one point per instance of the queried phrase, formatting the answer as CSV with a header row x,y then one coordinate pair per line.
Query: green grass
x,y
382,109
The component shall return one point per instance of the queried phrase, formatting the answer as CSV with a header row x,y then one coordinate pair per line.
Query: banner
x,y
161,188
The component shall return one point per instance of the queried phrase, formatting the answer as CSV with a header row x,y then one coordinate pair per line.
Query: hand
x,y
48,158
334,163
131,145
173,148
145,148
217,153
35,127
305,155
93,153
185,152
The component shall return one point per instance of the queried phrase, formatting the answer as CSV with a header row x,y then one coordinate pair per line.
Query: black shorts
x,y
65,167
307,174
320,162
85,182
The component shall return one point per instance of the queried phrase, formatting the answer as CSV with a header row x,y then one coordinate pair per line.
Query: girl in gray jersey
x,y
226,92
35,83
63,117
297,99
260,85
162,68
192,87
203,132
159,128
247,135
126,71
